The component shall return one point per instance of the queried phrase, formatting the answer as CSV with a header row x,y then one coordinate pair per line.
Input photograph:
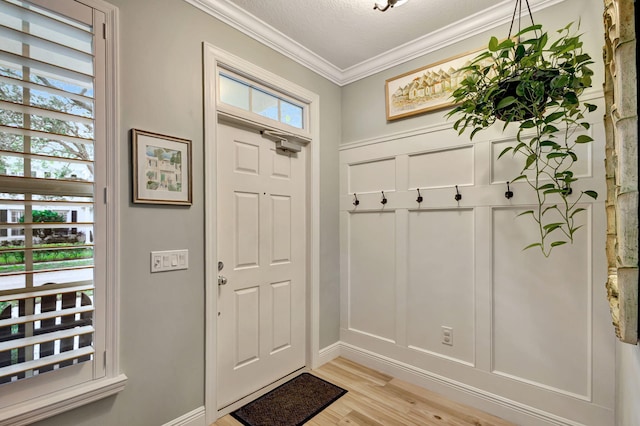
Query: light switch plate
x,y
169,260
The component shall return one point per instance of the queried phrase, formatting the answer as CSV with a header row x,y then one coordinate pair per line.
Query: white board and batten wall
x,y
530,336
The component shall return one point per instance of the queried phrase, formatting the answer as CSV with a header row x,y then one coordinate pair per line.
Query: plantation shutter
x,y
47,184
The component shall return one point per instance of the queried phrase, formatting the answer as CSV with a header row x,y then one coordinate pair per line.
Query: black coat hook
x,y
419,199
355,201
384,199
509,193
458,195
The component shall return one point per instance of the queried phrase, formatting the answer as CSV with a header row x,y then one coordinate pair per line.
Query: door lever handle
x,y
222,280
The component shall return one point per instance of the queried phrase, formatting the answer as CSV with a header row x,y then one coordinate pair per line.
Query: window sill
x,y
48,406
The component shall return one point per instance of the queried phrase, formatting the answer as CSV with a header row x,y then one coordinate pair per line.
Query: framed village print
x,y
425,89
161,168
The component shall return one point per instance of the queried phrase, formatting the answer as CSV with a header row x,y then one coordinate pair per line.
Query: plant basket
x,y
521,98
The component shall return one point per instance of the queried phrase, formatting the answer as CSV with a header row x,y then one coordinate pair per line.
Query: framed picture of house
x,y
161,168
425,89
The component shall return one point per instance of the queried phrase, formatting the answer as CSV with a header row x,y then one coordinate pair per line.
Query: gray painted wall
x,y
162,315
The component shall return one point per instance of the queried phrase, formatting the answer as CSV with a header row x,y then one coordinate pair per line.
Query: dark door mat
x,y
290,404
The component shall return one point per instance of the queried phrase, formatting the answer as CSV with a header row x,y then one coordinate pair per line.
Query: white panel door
x,y
262,243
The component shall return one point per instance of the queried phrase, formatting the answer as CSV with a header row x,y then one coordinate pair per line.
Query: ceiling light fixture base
x,y
390,4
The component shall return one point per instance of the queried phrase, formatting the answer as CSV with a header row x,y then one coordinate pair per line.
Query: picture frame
x,y
161,169
425,89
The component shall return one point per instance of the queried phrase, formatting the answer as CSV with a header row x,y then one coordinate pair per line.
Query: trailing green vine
x,y
528,81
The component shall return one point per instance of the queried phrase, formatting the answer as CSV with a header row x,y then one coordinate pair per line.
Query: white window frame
x,y
107,380
301,132
303,135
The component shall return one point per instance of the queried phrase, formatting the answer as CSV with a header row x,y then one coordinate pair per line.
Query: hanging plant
x,y
535,83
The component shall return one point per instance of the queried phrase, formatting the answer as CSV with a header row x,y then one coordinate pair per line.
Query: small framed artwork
x,y
425,89
161,169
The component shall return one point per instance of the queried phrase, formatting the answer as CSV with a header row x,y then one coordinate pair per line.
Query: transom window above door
x,y
247,99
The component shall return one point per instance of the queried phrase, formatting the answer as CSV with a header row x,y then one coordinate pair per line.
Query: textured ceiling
x,y
346,40
348,32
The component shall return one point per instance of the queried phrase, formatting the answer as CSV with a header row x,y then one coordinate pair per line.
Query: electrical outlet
x,y
169,260
447,335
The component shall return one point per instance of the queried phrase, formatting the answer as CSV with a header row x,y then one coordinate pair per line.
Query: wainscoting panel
x,y
509,166
372,269
438,169
541,312
441,290
529,334
372,176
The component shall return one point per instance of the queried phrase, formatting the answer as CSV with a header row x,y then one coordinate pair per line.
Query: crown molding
x,y
446,36
259,30
264,33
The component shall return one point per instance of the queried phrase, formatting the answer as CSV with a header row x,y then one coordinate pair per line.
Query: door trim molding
x,y
214,57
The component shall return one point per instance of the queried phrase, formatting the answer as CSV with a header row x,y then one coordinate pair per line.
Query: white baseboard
x,y
192,418
507,409
329,353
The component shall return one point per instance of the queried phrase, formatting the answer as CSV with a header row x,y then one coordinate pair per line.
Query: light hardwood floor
x,y
376,399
